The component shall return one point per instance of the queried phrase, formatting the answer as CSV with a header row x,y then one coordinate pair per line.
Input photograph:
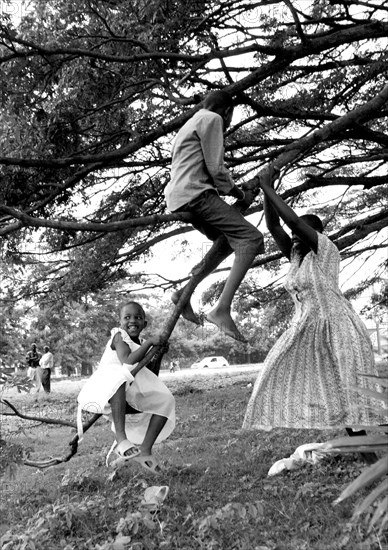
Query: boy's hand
x,y
249,185
165,347
248,199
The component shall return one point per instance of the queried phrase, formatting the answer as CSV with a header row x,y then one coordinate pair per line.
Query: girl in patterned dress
x,y
309,374
113,390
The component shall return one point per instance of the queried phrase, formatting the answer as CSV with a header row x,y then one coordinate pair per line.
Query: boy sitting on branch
x,y
198,177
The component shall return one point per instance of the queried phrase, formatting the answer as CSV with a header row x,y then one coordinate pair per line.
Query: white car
x,y
210,362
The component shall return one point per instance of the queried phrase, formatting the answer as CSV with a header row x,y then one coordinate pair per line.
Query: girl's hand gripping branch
x,y
129,357
268,178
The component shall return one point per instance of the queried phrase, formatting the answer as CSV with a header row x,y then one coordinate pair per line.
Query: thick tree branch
x,y
372,223
328,132
368,181
98,227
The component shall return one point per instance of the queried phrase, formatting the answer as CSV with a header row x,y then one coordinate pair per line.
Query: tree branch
x,y
367,181
43,419
99,227
73,444
283,58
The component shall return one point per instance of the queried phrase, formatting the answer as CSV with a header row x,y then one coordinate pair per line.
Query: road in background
x,y
74,385
195,373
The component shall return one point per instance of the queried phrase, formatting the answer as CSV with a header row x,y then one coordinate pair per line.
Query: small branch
x,y
46,420
43,464
73,444
298,26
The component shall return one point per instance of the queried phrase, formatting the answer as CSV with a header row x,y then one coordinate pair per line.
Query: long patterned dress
x,y
308,375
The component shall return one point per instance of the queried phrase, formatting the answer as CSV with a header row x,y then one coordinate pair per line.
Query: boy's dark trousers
x,y
46,380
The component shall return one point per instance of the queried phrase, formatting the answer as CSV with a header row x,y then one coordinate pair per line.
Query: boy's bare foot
x,y
225,323
187,311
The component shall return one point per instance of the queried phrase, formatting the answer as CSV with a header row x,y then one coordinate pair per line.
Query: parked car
x,y
210,362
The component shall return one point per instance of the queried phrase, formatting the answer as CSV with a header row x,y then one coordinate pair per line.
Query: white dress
x,y
146,393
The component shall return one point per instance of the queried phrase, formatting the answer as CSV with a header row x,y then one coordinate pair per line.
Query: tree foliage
x,y
92,94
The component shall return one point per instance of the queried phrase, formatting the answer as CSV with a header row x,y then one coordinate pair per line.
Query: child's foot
x,y
125,450
187,311
226,324
149,463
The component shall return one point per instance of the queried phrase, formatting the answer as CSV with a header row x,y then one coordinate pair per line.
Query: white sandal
x,y
154,498
121,451
149,463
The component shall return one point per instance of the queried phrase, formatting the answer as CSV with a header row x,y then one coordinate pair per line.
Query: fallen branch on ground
x,y
73,444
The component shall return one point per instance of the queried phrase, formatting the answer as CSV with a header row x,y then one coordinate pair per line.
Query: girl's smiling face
x,y
132,319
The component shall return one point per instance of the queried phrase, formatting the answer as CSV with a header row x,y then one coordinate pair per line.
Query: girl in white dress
x,y
113,390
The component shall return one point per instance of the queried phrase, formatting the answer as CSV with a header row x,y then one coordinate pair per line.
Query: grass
x,y
220,495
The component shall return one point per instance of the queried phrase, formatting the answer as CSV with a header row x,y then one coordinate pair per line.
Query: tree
x,y
76,332
92,94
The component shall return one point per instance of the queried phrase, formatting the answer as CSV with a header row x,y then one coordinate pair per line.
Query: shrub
x,y
373,509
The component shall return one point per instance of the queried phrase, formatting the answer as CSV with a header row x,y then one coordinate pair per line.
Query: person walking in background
x,y
309,375
172,366
34,370
198,177
46,363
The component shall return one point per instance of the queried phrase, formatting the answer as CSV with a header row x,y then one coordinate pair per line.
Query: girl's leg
x,y
118,405
154,428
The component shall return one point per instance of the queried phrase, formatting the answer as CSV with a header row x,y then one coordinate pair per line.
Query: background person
x,y
34,370
172,366
46,363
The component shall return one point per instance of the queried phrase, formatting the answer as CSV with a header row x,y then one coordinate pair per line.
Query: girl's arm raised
x,y
272,220
280,208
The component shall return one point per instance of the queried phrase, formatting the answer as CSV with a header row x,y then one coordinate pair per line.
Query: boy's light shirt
x,y
198,160
47,360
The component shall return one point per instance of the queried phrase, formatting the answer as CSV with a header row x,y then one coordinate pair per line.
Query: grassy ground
x,y
220,495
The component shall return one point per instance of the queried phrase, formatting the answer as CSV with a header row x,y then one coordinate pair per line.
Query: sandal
x,y
154,498
122,451
149,463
